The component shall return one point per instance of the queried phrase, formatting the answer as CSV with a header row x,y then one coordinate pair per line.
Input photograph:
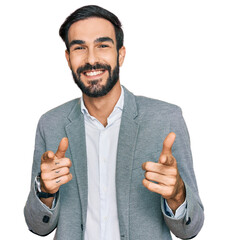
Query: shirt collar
x,y
119,104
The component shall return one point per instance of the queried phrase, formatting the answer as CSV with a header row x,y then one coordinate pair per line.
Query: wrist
x,y
179,198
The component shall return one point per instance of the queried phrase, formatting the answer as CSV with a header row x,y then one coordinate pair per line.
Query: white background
x,y
177,51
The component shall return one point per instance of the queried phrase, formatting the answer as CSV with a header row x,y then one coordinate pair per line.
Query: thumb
x,y
168,143
63,145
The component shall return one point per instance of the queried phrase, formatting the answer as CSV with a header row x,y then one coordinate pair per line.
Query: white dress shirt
x,y
101,146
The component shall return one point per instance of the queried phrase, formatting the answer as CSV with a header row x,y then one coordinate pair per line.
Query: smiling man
x,y
110,165
95,79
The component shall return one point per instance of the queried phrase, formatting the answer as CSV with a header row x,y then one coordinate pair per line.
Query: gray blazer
x,y
144,125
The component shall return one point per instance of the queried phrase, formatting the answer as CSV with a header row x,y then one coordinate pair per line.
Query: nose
x,y
91,57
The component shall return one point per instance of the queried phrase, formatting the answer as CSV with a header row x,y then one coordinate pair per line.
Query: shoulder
x,y
150,106
60,112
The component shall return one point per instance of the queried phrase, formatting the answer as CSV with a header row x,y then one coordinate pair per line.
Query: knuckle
x,y
163,158
64,179
50,187
174,172
46,185
43,176
65,170
147,175
145,165
68,162
172,181
148,165
43,167
144,182
70,176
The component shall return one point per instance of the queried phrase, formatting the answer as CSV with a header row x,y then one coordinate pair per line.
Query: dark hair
x,y
88,12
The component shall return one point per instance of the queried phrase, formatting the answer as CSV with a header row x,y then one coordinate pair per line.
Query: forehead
x,y
91,29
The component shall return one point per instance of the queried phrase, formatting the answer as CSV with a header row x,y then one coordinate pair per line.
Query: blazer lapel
x,y
75,131
77,144
125,153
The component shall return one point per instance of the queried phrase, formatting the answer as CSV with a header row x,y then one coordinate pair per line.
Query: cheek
x,y
75,63
108,56
112,62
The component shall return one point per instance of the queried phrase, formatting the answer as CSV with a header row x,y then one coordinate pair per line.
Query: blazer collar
x,y
130,107
76,111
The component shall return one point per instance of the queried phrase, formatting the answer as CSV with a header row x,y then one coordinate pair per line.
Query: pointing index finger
x,y
63,145
168,143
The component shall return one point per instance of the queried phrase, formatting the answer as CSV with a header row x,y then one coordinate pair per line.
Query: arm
x,y
189,225
40,217
176,180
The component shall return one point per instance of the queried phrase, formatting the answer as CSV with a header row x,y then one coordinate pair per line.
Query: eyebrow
x,y
104,39
76,42
98,40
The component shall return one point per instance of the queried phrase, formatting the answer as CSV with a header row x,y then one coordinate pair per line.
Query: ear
x,y
122,52
67,55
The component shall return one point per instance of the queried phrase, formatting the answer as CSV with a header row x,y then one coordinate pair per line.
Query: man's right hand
x,y
55,168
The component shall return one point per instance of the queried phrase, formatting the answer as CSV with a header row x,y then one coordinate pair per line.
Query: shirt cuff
x,y
180,212
38,188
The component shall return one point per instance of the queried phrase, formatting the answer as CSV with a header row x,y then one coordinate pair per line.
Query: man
x,y
110,165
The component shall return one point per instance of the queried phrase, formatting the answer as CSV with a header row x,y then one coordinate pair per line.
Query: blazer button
x,y
189,221
46,219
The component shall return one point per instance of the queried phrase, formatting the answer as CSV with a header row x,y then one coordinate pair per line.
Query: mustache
x,y
96,66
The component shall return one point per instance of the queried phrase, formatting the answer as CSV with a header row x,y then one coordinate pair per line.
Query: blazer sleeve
x,y
39,218
189,225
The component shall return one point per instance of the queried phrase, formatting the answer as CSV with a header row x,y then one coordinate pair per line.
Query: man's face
x,y
93,56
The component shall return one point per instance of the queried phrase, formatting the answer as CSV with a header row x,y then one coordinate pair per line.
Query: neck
x,y
101,107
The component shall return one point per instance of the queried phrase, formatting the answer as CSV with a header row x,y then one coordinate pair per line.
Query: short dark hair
x,y
88,12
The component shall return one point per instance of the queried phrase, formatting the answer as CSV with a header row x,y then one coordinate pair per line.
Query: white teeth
x,y
93,73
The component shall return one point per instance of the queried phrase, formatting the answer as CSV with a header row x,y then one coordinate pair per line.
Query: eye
x,y
79,48
103,46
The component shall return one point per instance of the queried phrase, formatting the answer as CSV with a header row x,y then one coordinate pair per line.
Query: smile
x,y
94,73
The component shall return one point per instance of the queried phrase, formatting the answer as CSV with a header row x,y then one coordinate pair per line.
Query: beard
x,y
95,89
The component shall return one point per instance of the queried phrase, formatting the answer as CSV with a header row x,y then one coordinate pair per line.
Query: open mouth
x,y
94,73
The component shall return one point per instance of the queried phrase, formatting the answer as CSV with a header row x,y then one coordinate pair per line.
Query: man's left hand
x,y
163,177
